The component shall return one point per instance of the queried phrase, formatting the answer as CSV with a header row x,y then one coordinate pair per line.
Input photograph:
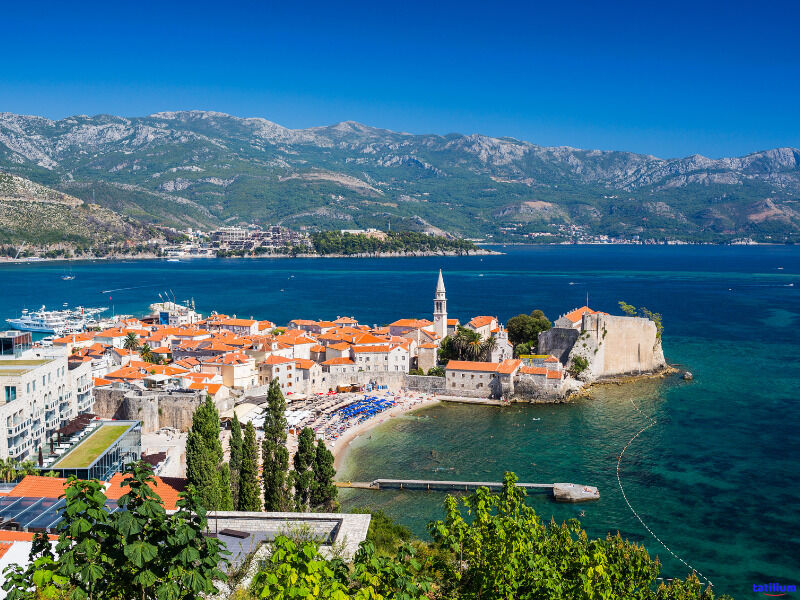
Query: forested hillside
x,y
205,169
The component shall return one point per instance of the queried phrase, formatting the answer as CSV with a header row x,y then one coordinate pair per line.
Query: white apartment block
x,y
40,394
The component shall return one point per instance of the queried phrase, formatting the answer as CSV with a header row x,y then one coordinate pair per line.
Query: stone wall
x,y
535,388
615,345
558,342
424,383
155,409
395,380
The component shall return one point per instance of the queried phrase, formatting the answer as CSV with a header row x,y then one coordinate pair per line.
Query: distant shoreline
x,y
410,254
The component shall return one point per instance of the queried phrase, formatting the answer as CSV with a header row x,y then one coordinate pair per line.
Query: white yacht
x,y
41,320
56,322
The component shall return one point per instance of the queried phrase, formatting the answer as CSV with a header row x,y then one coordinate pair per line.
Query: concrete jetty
x,y
562,492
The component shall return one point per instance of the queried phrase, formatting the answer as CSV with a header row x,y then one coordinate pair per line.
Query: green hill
x,y
200,168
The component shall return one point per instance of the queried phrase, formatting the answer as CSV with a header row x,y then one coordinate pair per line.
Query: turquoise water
x,y
715,478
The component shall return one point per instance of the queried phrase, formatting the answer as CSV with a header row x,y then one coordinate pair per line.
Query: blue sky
x,y
667,78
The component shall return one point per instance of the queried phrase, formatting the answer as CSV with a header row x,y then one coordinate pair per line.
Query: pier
x,y
562,492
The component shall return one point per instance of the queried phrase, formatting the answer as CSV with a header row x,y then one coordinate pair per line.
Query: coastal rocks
x,y
687,376
573,492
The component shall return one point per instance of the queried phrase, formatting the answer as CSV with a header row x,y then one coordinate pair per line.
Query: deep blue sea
x,y
716,479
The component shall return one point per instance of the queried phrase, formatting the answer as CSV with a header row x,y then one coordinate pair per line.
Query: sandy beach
x,y
406,402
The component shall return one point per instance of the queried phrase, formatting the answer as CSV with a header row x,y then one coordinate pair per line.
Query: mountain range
x,y
205,169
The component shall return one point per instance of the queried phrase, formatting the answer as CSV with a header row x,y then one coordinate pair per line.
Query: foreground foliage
x,y
138,552
487,547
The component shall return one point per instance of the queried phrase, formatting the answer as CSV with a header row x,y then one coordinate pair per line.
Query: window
x,y
11,393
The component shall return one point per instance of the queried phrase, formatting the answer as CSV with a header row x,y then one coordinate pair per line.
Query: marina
x,y
57,322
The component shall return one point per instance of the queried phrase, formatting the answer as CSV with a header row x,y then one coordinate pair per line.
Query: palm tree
x,y
146,353
487,347
27,467
7,470
464,341
131,342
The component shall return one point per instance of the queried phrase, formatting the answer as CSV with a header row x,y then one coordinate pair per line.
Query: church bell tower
x,y
440,308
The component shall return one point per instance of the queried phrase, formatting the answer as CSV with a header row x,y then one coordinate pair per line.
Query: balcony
x,y
16,451
19,427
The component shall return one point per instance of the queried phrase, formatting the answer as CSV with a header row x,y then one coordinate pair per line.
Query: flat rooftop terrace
x,y
20,367
90,449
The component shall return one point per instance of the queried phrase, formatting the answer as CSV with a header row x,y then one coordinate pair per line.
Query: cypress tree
x,y
249,492
205,468
303,476
275,456
235,463
324,495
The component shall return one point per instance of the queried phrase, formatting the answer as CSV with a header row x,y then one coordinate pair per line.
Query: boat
x,y
67,277
173,260
42,321
54,321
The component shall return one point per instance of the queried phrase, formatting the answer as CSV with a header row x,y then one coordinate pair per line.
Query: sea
x,y
715,482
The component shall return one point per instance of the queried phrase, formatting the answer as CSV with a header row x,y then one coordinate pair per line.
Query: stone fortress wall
x,y
155,409
557,341
616,345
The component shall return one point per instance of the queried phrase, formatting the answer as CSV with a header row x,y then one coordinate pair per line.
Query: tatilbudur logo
x,y
774,589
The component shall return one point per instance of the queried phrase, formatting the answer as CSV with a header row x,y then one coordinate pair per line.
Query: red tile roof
x,y
577,314
38,486
471,365
481,321
167,488
554,374
211,388
340,360
377,349
304,363
276,360
411,323
533,370
509,366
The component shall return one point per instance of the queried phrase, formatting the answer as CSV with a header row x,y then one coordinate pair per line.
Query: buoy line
x,y
635,514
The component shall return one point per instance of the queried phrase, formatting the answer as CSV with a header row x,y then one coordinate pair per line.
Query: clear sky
x,y
664,78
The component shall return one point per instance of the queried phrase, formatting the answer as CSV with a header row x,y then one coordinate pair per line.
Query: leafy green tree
x,y
302,476
275,456
204,466
139,530
655,318
235,462
416,372
504,551
249,489
324,494
578,365
523,349
38,579
386,535
85,561
400,577
436,372
525,329
138,552
297,572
